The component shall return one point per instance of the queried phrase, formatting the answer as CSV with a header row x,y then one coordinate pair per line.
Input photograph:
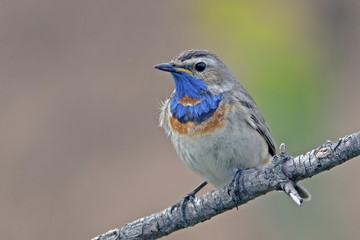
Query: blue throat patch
x,y
186,85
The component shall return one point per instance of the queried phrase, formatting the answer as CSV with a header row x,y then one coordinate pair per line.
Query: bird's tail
x,y
303,192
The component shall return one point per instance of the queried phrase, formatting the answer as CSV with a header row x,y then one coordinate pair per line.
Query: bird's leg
x,y
183,202
235,185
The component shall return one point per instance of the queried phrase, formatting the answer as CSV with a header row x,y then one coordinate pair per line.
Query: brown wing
x,y
256,119
266,134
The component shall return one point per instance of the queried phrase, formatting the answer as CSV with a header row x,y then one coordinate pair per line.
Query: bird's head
x,y
196,72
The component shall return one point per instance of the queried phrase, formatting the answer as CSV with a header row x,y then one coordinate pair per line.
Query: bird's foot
x,y
183,202
235,184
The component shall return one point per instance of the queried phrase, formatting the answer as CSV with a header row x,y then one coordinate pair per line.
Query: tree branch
x,y
280,174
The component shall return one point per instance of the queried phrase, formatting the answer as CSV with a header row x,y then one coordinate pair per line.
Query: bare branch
x,y
281,173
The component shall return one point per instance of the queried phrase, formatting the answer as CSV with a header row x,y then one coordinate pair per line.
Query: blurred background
x,y
80,149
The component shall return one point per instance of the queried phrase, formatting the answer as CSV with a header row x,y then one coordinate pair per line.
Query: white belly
x,y
217,154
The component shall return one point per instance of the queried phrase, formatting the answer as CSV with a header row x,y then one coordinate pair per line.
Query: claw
x,y
183,202
236,189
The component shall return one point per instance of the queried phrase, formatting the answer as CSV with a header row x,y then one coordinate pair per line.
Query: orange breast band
x,y
210,125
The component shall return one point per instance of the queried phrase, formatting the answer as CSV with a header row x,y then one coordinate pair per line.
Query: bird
x,y
214,124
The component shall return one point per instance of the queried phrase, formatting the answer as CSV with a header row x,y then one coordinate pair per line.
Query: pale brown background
x,y
80,150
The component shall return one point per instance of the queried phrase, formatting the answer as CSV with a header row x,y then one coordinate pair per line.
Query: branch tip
x,y
296,198
283,148
289,188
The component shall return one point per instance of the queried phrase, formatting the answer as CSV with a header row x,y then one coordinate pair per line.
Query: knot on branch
x,y
279,179
323,152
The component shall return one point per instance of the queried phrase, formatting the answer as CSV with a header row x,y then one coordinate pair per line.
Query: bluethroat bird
x,y
213,122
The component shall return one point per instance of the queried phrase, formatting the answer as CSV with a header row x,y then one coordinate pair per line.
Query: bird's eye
x,y
200,66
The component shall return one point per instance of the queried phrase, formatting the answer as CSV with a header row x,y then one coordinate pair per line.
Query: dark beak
x,y
166,67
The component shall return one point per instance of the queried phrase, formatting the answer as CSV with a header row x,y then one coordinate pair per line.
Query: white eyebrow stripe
x,y
208,61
